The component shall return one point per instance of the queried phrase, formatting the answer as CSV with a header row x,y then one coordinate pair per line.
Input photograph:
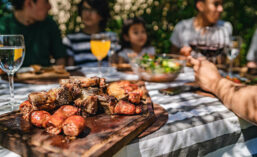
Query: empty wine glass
x,y
233,51
100,45
12,52
211,42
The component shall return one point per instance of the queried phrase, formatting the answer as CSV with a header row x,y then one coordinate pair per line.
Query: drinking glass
x,y
233,51
12,52
211,42
100,45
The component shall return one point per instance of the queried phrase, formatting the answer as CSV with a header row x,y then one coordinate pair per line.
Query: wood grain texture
x,y
103,136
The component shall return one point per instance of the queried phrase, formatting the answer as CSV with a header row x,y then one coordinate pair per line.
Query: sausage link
x,y
73,125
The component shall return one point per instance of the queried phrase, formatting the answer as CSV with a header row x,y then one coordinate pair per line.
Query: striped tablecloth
x,y
197,125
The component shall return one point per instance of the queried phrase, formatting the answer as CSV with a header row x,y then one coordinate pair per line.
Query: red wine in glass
x,y
210,51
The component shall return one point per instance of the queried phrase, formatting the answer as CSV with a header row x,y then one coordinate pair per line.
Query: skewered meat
x,y
73,125
127,108
107,102
26,108
61,114
39,118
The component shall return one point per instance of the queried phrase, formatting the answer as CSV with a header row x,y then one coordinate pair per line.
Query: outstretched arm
x,y
240,99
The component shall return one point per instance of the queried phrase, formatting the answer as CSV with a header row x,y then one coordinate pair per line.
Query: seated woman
x,y
185,31
94,15
252,53
134,39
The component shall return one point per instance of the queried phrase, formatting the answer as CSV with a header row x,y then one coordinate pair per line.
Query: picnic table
x,y
197,125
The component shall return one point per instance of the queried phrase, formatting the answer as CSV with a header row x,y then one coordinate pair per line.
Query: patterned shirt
x,y
78,46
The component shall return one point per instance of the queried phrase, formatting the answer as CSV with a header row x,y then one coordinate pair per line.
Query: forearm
x,y
240,99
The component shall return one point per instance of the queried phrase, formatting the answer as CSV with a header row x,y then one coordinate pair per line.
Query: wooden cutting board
x,y
103,136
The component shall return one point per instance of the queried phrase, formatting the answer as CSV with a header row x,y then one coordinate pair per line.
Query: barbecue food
x,y
124,107
39,118
74,125
26,108
61,114
78,98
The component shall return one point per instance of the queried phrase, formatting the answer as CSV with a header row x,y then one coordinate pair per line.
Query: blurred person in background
x,y
94,15
42,35
239,98
208,14
134,39
252,52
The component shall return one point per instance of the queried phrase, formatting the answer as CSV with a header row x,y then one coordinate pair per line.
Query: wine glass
x,y
211,42
233,51
100,45
12,52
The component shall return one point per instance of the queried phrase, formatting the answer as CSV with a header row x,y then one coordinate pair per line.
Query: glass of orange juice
x,y
100,45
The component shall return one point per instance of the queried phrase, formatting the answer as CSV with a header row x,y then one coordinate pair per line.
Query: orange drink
x,y
100,48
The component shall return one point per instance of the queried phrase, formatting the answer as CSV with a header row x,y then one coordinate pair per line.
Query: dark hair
x,y
102,8
19,4
125,29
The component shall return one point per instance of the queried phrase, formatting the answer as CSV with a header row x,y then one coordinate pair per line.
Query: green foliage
x,y
162,15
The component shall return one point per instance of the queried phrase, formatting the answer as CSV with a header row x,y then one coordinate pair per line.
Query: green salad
x,y
159,64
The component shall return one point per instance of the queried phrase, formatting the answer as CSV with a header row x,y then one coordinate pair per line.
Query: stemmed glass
x,y
233,51
12,52
211,41
100,45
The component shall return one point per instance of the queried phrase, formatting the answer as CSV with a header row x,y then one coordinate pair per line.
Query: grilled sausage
x,y
39,118
26,108
61,114
73,125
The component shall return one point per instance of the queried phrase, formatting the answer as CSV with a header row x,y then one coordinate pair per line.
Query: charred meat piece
x,y
73,125
38,98
89,82
64,97
87,103
107,102
26,108
41,101
39,118
126,108
73,87
61,114
102,83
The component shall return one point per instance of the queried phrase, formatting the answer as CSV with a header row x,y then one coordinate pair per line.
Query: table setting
x,y
154,110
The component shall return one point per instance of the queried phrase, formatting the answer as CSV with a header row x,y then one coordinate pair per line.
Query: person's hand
x,y
186,50
206,74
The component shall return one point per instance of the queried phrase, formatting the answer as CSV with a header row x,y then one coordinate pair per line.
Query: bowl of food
x,y
159,68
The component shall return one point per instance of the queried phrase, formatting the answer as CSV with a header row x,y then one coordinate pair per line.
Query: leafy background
x,y
160,16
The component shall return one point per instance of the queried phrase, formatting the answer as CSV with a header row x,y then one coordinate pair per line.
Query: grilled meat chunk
x,y
107,102
39,118
124,107
73,125
87,103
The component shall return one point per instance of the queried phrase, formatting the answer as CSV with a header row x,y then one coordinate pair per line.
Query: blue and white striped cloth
x,y
197,125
